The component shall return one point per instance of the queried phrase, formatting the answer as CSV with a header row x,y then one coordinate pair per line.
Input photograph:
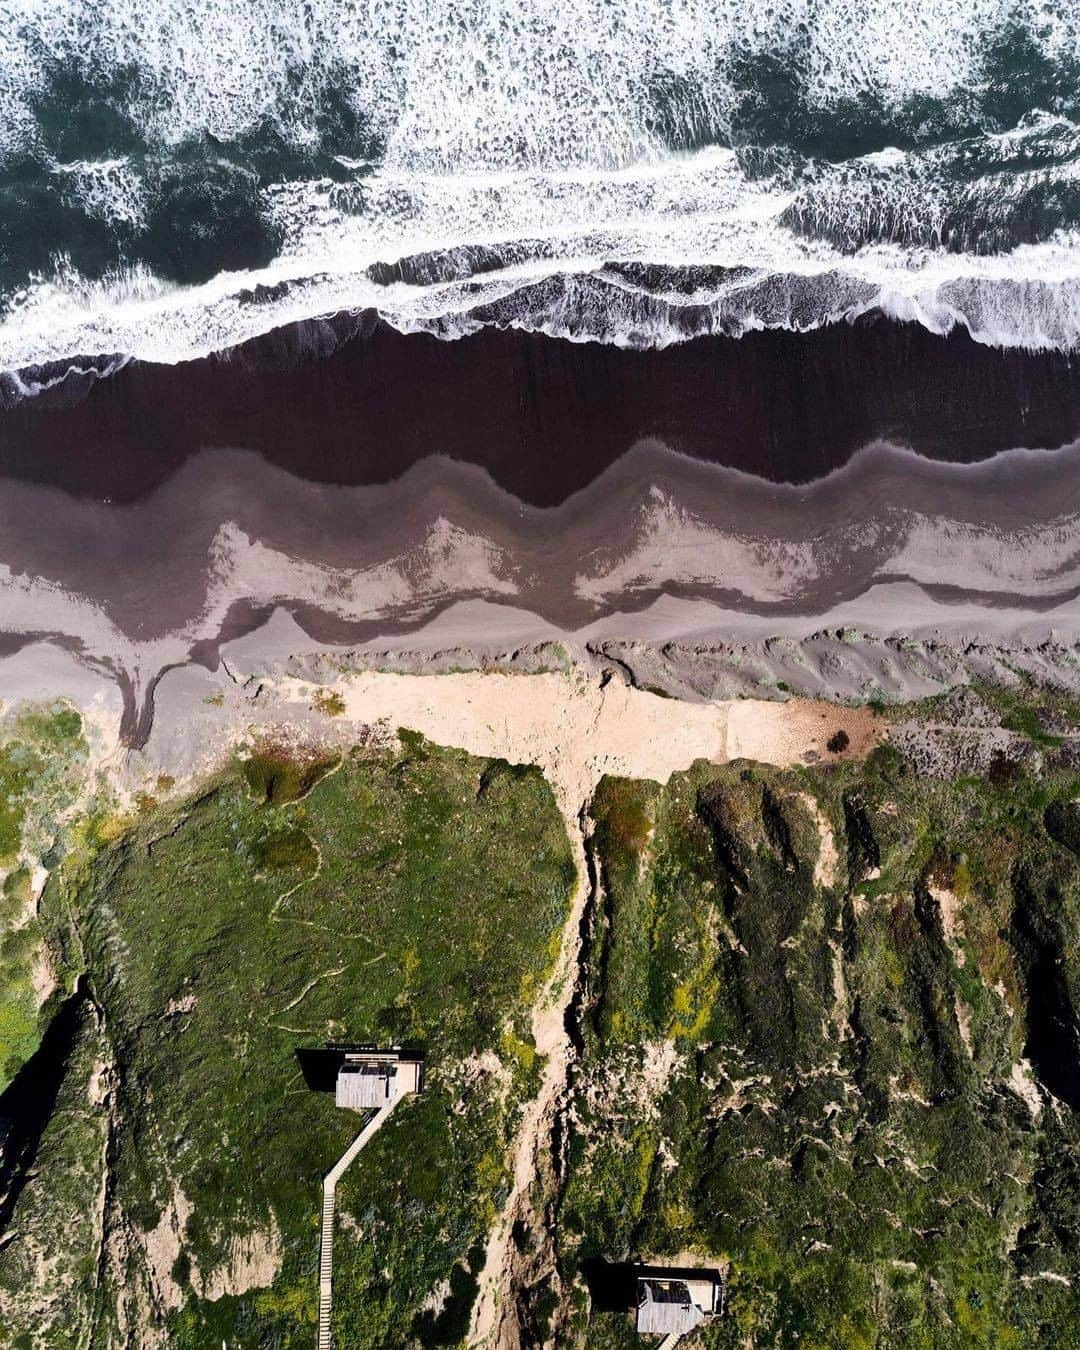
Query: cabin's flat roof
x,y
705,1284
365,1087
666,1306
370,1082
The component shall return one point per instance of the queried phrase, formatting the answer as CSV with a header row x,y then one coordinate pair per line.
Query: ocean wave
x,y
438,87
175,180
630,290
59,382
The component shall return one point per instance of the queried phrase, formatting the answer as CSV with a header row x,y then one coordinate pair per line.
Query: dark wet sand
x,y
151,568
529,484
543,416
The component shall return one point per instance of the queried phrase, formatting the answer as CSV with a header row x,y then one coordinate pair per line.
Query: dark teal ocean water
x,y
179,175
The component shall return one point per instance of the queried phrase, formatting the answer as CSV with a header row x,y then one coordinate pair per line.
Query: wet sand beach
x,y
661,551
349,400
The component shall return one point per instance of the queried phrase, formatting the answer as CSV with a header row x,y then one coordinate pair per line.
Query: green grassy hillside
x,y
814,1078
416,897
825,1035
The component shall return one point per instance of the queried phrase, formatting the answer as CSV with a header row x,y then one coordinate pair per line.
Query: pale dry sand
x,y
578,728
797,731
826,868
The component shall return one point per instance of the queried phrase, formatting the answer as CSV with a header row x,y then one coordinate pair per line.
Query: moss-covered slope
x,y
416,897
830,1037
42,769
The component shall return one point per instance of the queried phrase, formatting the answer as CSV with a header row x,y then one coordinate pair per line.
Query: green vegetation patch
x,y
412,898
330,702
42,760
1044,715
815,1079
278,776
20,765
280,850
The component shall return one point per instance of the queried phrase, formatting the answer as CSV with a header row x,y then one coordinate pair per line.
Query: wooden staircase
x,y
326,1237
326,1265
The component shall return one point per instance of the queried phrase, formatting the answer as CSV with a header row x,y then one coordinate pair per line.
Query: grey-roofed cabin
x,y
364,1088
368,1080
675,1305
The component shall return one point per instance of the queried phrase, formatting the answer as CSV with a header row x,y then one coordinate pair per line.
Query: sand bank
x,y
881,580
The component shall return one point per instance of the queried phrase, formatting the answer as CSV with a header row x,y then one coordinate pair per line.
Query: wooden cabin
x,y
675,1302
369,1079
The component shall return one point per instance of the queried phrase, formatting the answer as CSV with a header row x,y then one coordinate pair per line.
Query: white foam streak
x,y
502,121
688,210
106,188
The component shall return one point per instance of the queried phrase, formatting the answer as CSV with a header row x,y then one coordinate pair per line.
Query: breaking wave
x,y
177,178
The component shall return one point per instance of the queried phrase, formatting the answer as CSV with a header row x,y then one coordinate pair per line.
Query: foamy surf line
x,y
177,181
1030,303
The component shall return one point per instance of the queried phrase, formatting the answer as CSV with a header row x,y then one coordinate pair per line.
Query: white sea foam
x,y
560,283
542,133
486,82
109,189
